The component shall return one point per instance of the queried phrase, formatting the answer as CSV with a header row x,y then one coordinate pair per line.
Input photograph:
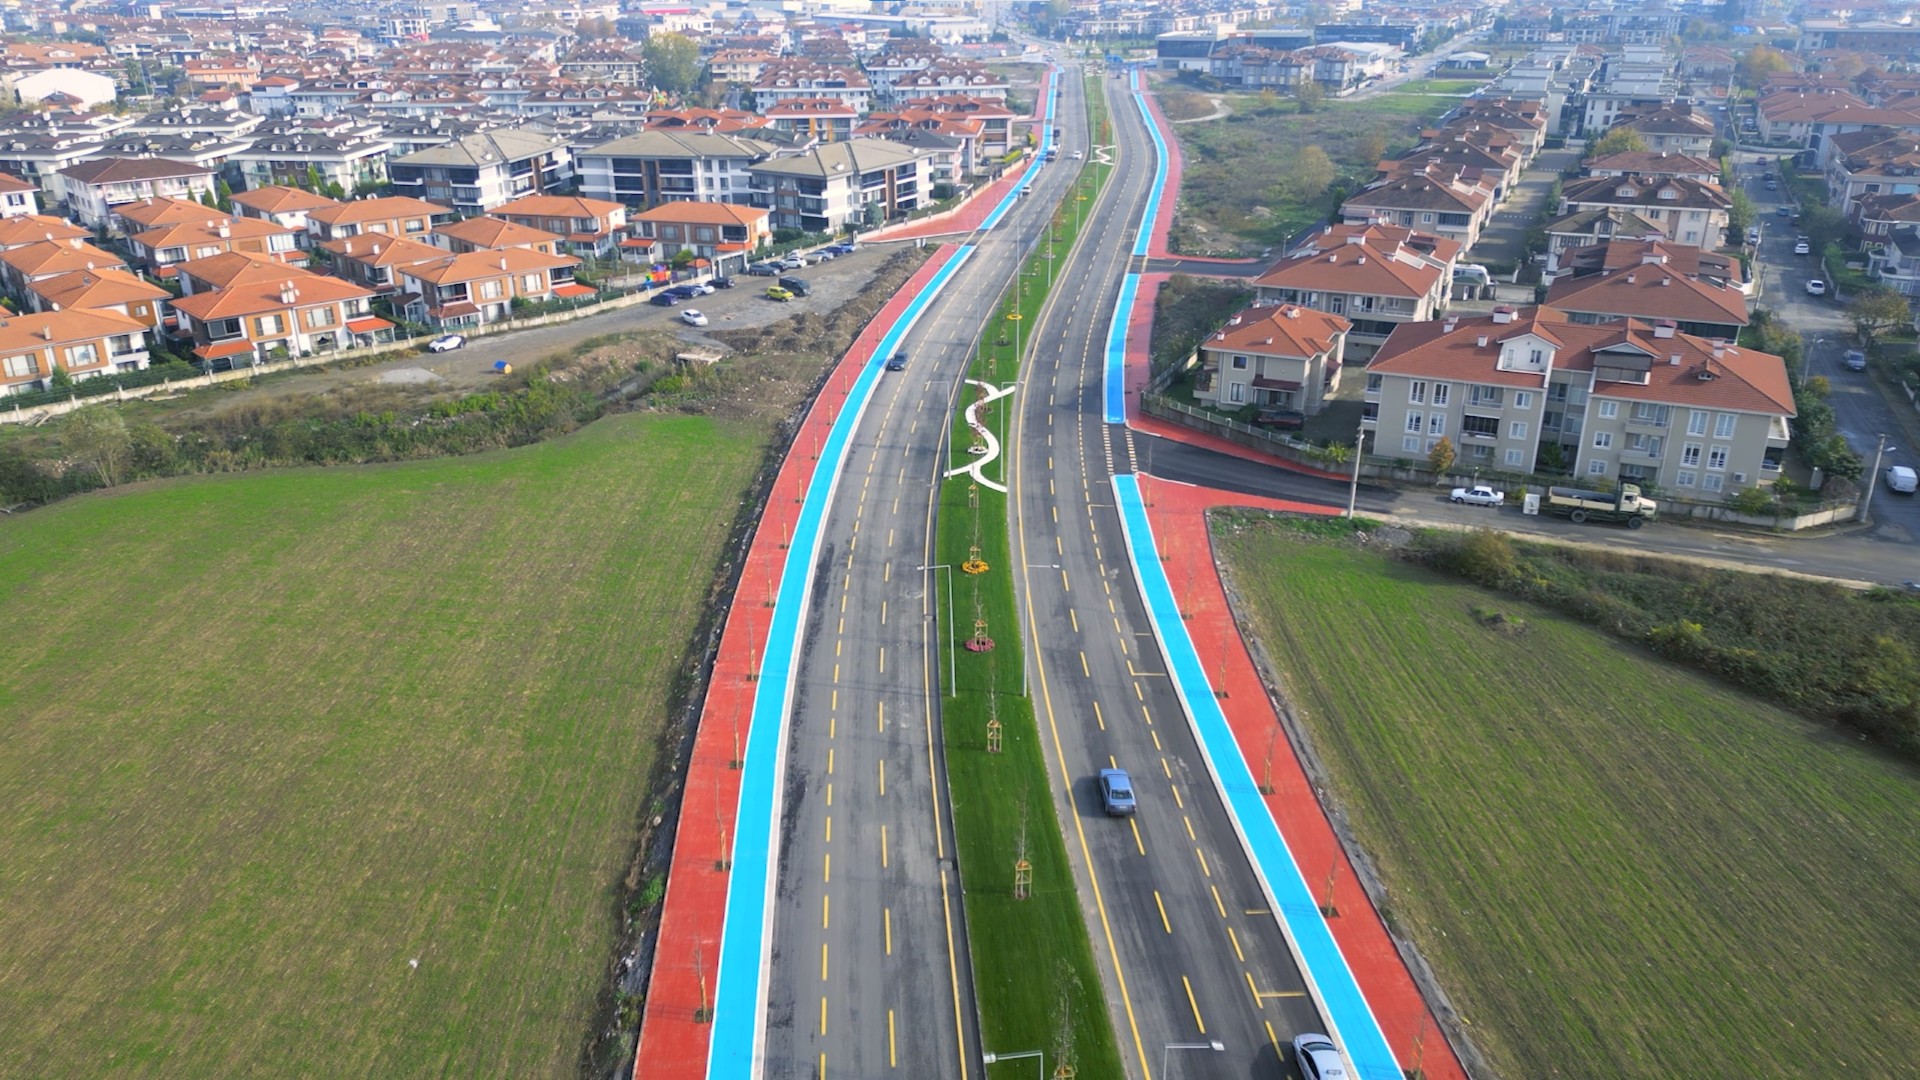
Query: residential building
x,y
1877,161
1672,128
1584,228
281,205
738,67
27,263
1374,276
291,155
1619,402
1896,261
814,119
1787,116
95,188
137,217
995,137
37,228
798,77
104,289
653,167
18,198
1652,280
476,173
372,260
727,234
84,344
241,308
480,287
491,234
392,216
1281,357
1455,204
156,250
859,183
1691,212
1659,164
588,227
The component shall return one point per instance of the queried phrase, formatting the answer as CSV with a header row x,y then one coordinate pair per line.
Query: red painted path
x,y
1178,513
1170,196
961,219
673,1037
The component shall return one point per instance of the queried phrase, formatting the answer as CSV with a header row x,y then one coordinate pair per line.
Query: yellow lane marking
x,y
823,1014
836,647
1254,990
886,571
880,718
1203,862
1194,1005
829,828
823,961
1188,822
1156,739
1137,692
1177,800
1071,614
829,794
1084,670
1059,548
821,1073
883,847
826,872
883,776
1216,900
843,604
888,913
883,659
1235,939
836,673
892,1061
1136,836
1148,715
889,537
829,761
1165,768
1097,718
883,608
1272,1038
826,911
1064,587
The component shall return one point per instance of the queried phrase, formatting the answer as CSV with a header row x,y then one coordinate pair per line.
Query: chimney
x,y
1362,261
225,231
1664,328
47,331
1480,342
1629,279
349,245
1293,313
1503,315
1451,322
1673,360
1719,350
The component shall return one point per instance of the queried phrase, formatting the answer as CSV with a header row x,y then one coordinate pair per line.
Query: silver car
x,y
1319,1059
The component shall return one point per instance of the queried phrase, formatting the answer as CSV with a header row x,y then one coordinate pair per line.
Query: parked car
x,y
1281,419
1753,234
693,317
668,298
897,362
1773,183
775,292
702,288
1801,247
792,262
1855,360
765,269
825,254
1902,479
1479,495
1318,1058
722,282
1116,792
447,343
1816,287
843,248
796,286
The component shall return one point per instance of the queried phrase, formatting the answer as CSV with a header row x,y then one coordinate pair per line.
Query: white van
x,y
1902,479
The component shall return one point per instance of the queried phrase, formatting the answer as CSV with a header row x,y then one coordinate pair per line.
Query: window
x,y
1237,392
1488,396
1239,363
1685,478
1517,430
1417,391
1712,482
530,283
1521,399
1723,425
1609,410
1441,391
320,318
1603,440
266,324
80,356
1482,427
1410,444
1416,422
1717,458
1656,415
1373,382
1437,424
1597,468
1690,455
1697,422
18,366
1515,457
1537,357
490,290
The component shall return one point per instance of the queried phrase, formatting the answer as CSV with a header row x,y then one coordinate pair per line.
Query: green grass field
x,y
272,736
1617,868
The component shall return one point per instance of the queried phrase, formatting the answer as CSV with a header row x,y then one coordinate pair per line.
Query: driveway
x,y
1503,242
1861,409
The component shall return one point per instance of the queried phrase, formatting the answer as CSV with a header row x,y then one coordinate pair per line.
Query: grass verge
x,y
1034,973
1617,868
274,737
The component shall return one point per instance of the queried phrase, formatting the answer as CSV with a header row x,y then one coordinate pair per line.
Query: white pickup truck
x,y
1479,495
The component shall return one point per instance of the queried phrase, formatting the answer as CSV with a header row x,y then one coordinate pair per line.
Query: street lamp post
x,y
1216,1046
1353,487
953,679
988,1059
1873,478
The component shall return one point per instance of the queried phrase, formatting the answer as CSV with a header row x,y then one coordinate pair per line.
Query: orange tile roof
x,y
704,213
556,206
476,265
95,289
29,333
1366,268
153,213
1285,330
191,232
37,228
491,232
262,287
58,257
379,249
1650,292
279,199
384,209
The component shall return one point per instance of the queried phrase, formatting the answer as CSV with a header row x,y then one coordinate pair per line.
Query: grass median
x,y
1616,867
1034,972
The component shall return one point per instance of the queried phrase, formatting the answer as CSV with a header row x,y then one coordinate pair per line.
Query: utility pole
x,y
1873,478
1353,486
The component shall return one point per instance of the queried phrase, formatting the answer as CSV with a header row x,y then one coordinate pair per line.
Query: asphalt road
x,y
869,974
1187,950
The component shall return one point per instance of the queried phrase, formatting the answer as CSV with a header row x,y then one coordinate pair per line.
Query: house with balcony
x,y
1441,201
139,217
995,137
727,234
1373,276
856,184
795,77
101,290
1671,127
738,67
1787,115
1585,228
84,344
661,166
157,250
1615,402
1896,261
21,266
478,172
285,206
372,260
586,227
1280,357
1690,212
1697,291
1877,161
94,189
813,119
240,308
1523,119
391,216
491,234
292,154
480,287
1659,164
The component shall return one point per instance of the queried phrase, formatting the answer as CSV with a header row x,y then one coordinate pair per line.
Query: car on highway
x,y
1479,495
1773,183
1116,792
897,362
1318,1058
1816,287
1753,235
1802,247
447,343
775,292
693,317
1902,479
1783,210
1855,360
1076,155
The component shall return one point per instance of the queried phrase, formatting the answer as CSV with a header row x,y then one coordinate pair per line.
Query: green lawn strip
x,y
272,736
1616,867
1034,972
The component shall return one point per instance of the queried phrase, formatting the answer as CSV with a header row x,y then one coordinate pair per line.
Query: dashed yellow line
x,y
1235,939
1202,856
1216,900
823,961
883,776
892,1060
888,914
1193,1004
1163,911
826,911
1097,718
883,851
1136,836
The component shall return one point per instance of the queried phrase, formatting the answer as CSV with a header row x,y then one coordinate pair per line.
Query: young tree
x,y
1309,173
1618,140
673,62
1739,216
98,436
223,194
208,200
1440,459
1876,311
1761,63
1309,96
1373,148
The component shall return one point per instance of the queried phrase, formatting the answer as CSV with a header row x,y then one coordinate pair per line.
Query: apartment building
x,y
1374,276
1279,357
480,287
284,206
1626,402
1690,212
1658,164
854,184
1672,128
240,308
799,77
1456,204
728,234
813,119
138,217
84,344
1653,281
95,188
478,172
491,234
391,216
158,249
27,263
654,167
586,226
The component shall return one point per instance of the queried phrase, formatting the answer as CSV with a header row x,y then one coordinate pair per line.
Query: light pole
x,y
1873,478
1216,1046
988,1059
1353,487
953,678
